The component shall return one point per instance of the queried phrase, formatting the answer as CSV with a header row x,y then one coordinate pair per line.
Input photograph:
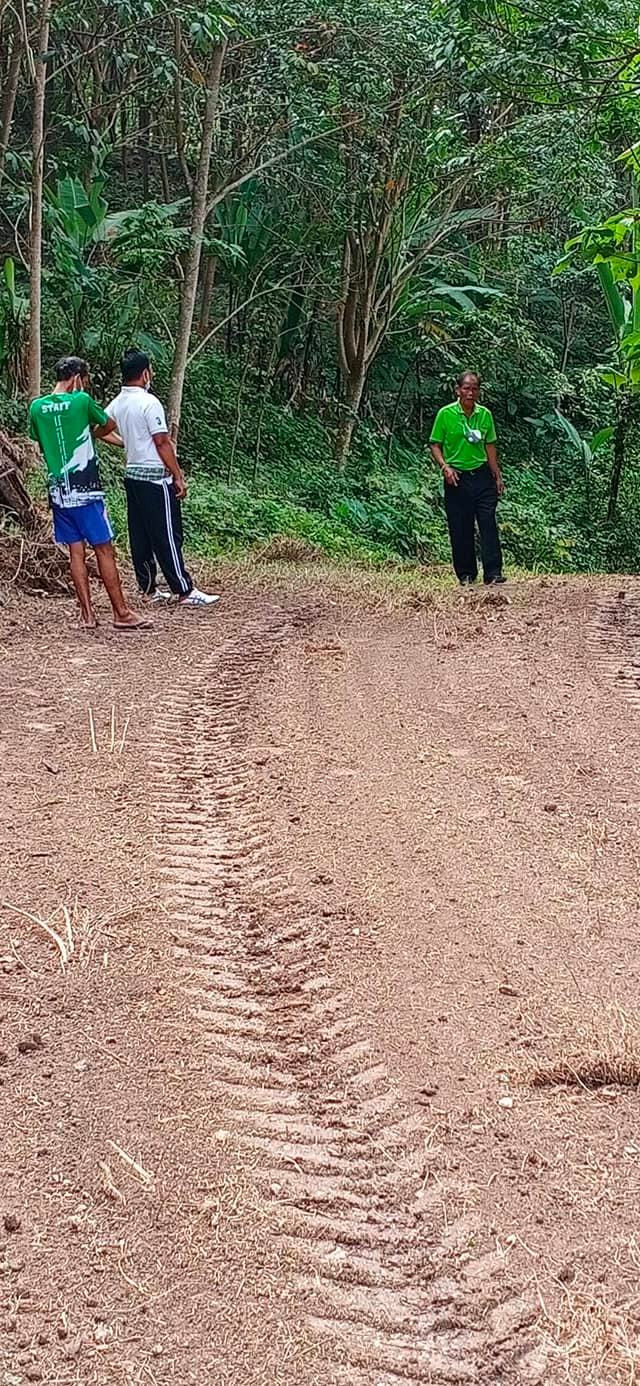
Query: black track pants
x,y
474,500
155,535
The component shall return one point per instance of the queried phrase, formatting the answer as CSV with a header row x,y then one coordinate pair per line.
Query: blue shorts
x,y
82,524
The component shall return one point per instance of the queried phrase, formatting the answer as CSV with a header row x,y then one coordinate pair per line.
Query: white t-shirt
x,y
138,415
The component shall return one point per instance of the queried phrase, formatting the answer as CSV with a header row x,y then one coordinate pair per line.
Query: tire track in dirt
x,y
614,640
341,1159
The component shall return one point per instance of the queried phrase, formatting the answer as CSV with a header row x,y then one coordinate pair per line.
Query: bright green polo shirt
x,y
451,429
61,423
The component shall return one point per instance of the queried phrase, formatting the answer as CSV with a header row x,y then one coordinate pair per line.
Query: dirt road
x,y
318,994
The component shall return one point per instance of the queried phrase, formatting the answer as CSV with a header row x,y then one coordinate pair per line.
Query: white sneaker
x,y
197,598
159,596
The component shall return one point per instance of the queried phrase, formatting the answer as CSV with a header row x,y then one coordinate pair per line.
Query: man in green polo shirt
x,y
463,443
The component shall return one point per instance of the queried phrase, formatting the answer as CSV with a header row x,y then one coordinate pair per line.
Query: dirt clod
x,y
30,1044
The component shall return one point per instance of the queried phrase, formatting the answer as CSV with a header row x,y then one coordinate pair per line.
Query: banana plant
x,y
87,240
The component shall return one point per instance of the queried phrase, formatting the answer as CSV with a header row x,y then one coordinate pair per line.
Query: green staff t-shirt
x,y
463,440
61,424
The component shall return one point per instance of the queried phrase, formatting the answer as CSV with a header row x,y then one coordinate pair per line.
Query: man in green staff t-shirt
x,y
63,423
463,443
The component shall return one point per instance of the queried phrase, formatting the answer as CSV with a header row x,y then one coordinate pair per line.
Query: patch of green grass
x,y
221,519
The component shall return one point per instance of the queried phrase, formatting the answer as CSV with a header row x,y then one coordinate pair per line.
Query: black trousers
x,y
474,501
155,535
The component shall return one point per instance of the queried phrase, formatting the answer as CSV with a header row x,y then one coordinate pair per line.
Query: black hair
x,y
465,375
133,364
69,366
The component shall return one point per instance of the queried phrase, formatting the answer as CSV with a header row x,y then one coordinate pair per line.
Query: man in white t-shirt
x,y
154,484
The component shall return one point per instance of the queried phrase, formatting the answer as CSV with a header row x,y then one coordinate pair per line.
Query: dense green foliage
x,y
392,191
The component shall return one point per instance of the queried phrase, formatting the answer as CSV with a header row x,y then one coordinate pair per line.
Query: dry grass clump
x,y
601,1050
288,548
595,1343
591,1071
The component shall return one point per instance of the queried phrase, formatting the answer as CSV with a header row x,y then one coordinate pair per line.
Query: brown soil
x,y
338,1080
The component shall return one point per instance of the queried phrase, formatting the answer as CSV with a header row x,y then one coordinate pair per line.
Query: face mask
x,y
473,435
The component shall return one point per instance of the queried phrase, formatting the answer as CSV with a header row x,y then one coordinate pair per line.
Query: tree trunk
x,y
198,219
37,180
289,337
420,400
9,94
568,321
619,441
230,320
143,149
124,162
305,371
264,394
208,281
164,178
396,410
177,104
353,397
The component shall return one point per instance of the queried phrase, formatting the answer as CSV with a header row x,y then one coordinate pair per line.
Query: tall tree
x,y
199,204
14,34
37,184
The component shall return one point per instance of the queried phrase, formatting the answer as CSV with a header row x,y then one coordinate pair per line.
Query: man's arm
x,y
451,477
436,443
110,435
167,453
108,430
494,466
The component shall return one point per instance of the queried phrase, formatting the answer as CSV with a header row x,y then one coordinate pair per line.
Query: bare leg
x,y
123,616
80,576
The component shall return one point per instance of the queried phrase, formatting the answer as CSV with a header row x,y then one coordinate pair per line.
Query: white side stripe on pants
x,y
172,543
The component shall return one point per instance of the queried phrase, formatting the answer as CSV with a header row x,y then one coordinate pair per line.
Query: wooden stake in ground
x,y
37,181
